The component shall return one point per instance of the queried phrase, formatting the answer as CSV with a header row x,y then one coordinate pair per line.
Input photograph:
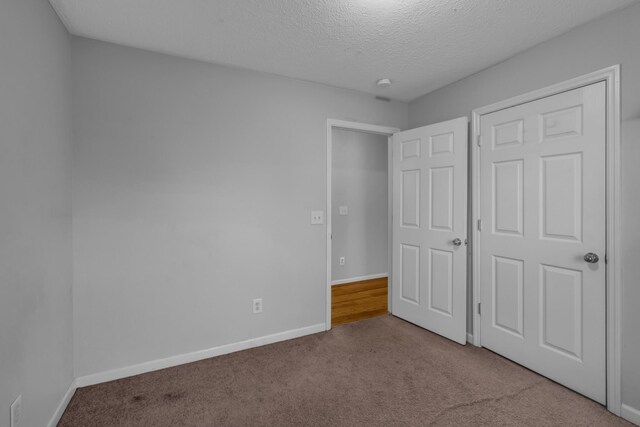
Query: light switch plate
x,y
317,217
343,210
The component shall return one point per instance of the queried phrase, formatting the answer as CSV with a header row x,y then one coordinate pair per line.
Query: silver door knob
x,y
591,258
456,242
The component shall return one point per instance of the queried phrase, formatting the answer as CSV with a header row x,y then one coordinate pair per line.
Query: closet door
x,y
542,245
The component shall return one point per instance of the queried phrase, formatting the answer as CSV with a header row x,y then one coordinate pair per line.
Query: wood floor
x,y
358,300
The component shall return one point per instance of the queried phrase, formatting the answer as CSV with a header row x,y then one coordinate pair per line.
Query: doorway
x,y
427,207
360,226
358,221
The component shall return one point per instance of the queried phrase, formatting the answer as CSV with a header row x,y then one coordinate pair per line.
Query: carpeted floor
x,y
377,372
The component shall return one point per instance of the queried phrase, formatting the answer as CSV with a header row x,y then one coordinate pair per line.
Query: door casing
x,y
611,76
361,127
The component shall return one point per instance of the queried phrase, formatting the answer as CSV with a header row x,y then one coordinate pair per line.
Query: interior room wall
x,y
610,40
35,220
193,187
359,182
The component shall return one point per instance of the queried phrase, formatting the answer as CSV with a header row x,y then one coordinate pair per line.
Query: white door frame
x,y
611,76
362,127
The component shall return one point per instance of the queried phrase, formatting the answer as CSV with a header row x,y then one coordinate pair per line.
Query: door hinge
x,y
479,309
606,259
479,225
479,140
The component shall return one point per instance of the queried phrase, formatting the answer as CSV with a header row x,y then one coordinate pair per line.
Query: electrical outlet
x,y
342,260
257,305
343,210
16,412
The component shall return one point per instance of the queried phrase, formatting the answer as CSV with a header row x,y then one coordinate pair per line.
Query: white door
x,y
430,227
542,206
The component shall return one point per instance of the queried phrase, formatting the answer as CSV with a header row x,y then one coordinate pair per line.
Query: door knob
x,y
591,258
456,242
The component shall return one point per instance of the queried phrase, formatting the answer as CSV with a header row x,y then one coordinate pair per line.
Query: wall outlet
x,y
257,305
16,412
343,210
342,260
317,217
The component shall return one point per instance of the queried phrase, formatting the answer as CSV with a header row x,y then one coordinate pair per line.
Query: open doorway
x,y
360,226
358,221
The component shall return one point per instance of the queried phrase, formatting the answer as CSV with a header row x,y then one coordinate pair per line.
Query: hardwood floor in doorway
x,y
355,301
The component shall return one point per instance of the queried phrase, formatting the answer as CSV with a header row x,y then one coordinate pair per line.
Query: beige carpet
x,y
377,372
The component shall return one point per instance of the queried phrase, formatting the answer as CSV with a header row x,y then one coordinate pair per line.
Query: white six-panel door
x,y
430,227
542,206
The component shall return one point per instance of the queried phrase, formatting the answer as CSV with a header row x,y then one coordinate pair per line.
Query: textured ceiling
x,y
421,45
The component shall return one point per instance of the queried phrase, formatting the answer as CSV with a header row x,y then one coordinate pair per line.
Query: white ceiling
x,y
421,45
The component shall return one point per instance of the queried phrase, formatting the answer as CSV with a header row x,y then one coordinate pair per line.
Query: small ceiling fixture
x,y
384,83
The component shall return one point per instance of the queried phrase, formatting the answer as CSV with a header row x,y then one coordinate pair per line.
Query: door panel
x,y
410,198
441,198
409,281
430,211
561,310
508,291
441,281
508,209
542,200
561,197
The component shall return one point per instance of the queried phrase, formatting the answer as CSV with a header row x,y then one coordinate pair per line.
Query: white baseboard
x,y
469,338
630,414
358,279
154,365
63,405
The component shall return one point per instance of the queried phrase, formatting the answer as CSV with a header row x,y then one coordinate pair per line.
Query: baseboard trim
x,y
359,279
55,419
168,362
469,338
630,414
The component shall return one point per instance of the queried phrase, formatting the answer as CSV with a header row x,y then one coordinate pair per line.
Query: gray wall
x,y
360,182
193,187
35,217
613,39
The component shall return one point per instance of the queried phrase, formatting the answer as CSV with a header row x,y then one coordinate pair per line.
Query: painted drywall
x,y
193,186
610,40
35,219
359,182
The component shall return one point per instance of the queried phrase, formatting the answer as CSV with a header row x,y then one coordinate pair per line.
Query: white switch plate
x,y
342,260
344,210
317,217
16,412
